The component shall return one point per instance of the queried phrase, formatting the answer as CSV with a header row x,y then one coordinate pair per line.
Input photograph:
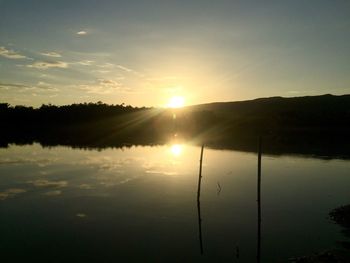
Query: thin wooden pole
x,y
198,200
200,173
259,201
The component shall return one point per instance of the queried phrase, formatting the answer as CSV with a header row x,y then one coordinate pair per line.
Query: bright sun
x,y
176,102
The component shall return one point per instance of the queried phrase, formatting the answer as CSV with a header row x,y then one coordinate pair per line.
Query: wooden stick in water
x,y
200,173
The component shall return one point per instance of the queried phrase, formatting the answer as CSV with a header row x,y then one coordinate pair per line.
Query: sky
x,y
142,53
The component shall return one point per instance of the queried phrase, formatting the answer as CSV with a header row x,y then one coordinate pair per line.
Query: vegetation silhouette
x,y
316,125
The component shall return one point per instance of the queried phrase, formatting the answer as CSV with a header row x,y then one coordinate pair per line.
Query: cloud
x,y
7,86
81,33
7,53
124,68
95,89
51,54
41,86
108,82
104,86
48,64
129,70
85,62
11,192
101,71
107,65
44,86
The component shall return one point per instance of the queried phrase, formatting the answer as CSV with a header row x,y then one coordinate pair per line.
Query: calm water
x,y
139,204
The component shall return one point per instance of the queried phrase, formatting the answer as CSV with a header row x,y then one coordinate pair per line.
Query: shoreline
x,y
341,216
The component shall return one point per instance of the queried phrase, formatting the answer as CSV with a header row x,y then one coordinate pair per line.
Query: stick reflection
x,y
258,254
198,201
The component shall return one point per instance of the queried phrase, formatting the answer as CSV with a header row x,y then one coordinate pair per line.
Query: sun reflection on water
x,y
176,149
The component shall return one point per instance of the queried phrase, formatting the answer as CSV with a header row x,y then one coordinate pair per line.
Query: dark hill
x,y
309,109
300,124
326,112
315,124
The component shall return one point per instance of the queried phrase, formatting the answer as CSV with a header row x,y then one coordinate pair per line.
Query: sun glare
x,y
176,102
176,149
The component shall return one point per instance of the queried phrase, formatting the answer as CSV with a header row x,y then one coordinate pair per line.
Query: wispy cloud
x,y
81,33
129,70
94,89
101,71
8,53
51,54
7,86
103,86
85,62
41,86
48,64
125,68
107,65
44,86
108,82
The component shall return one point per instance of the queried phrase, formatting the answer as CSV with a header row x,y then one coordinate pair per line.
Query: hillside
x,y
326,111
318,123
274,115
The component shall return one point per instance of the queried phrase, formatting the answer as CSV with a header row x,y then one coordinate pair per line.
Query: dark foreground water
x,y
139,204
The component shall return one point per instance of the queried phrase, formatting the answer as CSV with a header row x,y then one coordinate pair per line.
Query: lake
x,y
139,204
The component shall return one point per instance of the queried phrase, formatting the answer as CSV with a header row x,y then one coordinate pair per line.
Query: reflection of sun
x,y
176,102
176,149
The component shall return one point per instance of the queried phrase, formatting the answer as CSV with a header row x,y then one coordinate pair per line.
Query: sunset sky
x,y
143,53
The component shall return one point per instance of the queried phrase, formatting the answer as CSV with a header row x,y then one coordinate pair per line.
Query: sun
x,y
176,102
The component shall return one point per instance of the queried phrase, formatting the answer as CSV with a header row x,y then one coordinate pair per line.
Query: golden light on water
x,y
176,149
176,102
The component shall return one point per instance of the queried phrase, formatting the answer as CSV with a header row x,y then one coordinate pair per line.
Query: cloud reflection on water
x,y
11,193
47,183
83,170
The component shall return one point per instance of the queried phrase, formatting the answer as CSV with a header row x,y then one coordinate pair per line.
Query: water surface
x,y
138,204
